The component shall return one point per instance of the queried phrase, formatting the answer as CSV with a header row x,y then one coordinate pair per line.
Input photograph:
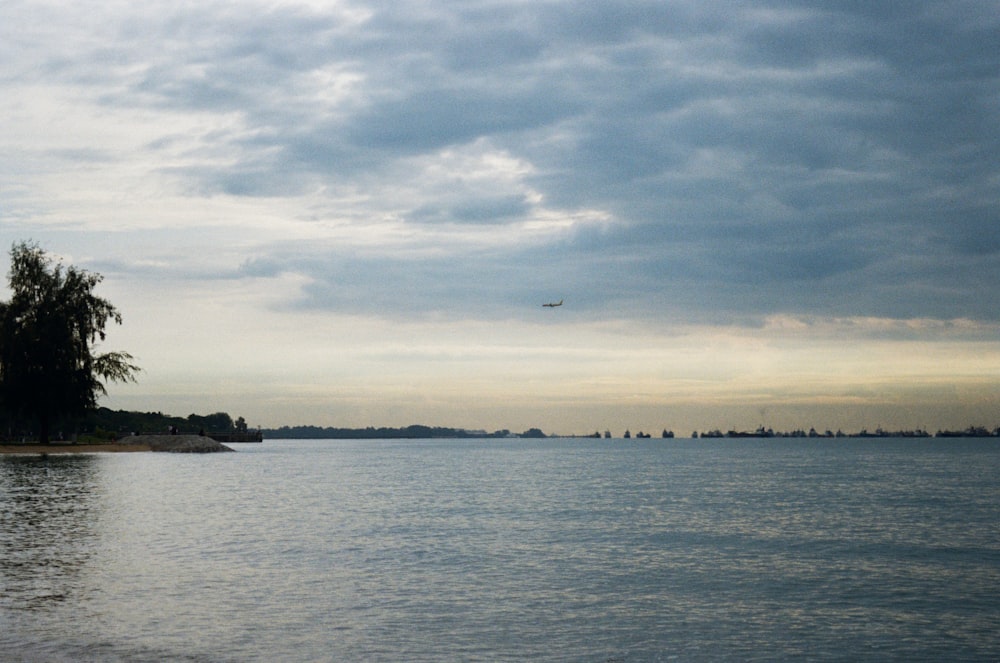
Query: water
x,y
516,550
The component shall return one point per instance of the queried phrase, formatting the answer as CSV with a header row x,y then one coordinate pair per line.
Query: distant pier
x,y
219,436
244,436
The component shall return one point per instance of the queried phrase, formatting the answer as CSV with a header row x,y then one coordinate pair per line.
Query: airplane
x,y
553,304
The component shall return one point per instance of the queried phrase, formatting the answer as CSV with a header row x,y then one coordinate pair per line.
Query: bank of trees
x,y
104,422
49,370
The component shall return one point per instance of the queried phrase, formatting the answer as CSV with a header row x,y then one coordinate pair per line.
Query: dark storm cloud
x,y
436,118
476,210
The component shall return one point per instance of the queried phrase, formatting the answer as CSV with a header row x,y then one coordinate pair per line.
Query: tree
x,y
220,421
47,331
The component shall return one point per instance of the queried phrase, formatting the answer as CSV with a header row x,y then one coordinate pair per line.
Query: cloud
x,y
657,164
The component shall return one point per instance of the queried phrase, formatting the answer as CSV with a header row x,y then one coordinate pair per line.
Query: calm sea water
x,y
518,550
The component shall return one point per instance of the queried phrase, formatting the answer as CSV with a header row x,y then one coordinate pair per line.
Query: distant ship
x,y
760,432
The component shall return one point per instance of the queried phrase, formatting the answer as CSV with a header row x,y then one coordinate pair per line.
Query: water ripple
x,y
486,551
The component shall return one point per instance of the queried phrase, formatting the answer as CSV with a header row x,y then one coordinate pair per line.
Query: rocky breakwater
x,y
182,444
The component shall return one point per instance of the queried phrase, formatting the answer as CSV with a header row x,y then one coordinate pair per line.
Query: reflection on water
x,y
47,525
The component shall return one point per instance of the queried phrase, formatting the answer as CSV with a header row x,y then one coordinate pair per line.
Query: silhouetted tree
x,y
47,329
220,421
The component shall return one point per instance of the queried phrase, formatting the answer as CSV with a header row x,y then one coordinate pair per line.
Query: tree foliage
x,y
124,422
47,332
219,421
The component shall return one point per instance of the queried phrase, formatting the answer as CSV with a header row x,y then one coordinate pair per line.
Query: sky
x,y
778,212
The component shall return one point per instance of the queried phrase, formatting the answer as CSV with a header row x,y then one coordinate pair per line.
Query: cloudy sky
x,y
779,212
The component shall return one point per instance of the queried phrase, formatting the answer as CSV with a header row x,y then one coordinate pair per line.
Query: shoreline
x,y
69,448
159,443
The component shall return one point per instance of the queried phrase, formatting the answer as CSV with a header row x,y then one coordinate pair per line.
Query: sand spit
x,y
182,444
167,443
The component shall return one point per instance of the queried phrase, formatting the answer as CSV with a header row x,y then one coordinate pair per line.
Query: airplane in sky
x,y
553,304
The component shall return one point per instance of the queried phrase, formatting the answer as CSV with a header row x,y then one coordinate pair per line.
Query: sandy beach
x,y
169,443
64,448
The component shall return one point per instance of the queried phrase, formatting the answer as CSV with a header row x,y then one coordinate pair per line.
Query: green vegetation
x,y
116,423
49,373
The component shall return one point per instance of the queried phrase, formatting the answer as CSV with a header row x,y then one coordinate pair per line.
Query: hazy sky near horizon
x,y
349,213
